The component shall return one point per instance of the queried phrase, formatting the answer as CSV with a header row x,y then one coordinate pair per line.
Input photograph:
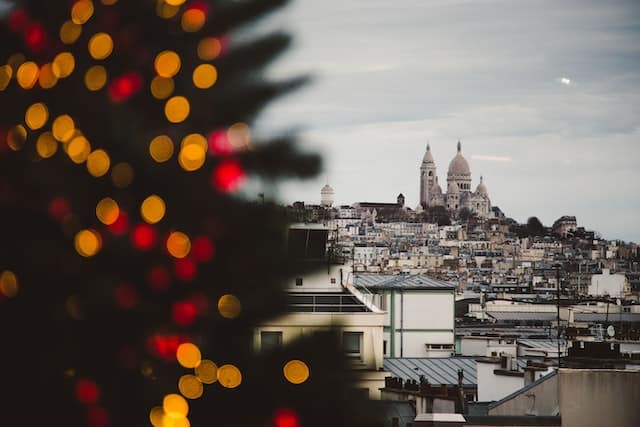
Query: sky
x,y
544,96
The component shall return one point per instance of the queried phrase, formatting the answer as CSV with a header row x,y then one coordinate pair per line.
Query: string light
x,y
207,372
177,109
209,48
78,149
5,76
167,64
204,76
98,163
162,87
47,78
107,211
191,157
188,355
296,371
229,376
229,306
63,65
178,244
27,74
63,128
8,284
175,406
122,175
192,20
81,11
16,137
88,243
190,387
70,32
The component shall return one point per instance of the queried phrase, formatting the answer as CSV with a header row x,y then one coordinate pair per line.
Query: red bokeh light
x,y
199,5
97,416
159,278
228,176
18,19
165,346
35,36
125,86
144,237
202,249
219,143
126,296
185,269
87,391
285,417
184,313
201,302
59,208
121,225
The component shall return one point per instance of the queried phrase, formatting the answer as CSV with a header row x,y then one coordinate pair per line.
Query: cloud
x,y
564,80
491,158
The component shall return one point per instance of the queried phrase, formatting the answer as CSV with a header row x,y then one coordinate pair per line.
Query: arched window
x,y
430,173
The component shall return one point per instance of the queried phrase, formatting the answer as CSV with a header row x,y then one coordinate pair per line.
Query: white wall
x,y
614,285
494,387
424,310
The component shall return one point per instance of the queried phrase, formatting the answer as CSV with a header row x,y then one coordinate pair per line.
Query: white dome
x,y
452,188
459,165
428,157
326,195
481,188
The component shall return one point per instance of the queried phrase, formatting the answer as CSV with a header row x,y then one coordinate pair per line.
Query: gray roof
x,y
543,344
400,281
437,370
612,317
523,315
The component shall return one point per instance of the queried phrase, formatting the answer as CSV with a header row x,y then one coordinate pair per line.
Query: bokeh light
x,y
207,371
177,109
178,244
36,115
63,128
204,76
5,76
121,226
192,20
59,208
162,87
122,175
156,416
161,148
184,313
126,296
8,284
190,387
27,74
229,306
167,63
125,86
78,149
229,376
202,249
46,145
209,48
63,65
70,32
98,163
95,78
81,11
174,2
228,176
185,269
195,138
175,406
165,10
239,135
191,157
97,416
152,209
285,417
16,137
107,211
100,46
88,243
47,78
159,278
188,355
87,391
144,237
296,371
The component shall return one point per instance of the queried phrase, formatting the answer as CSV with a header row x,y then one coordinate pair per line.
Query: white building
x,y
613,285
420,318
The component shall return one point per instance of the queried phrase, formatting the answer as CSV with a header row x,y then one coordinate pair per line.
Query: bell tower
x,y
427,177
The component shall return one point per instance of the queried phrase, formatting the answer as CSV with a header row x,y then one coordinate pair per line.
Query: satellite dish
x,y
611,331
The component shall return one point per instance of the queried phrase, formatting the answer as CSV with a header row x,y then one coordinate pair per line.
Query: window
x,y
384,347
333,280
270,340
298,281
352,342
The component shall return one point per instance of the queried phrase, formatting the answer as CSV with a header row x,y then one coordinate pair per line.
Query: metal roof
x,y
543,344
523,315
437,370
400,281
611,317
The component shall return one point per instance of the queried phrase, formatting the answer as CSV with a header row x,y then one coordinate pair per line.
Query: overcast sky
x,y
544,95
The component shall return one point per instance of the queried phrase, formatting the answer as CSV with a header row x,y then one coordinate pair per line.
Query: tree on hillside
x,y
132,271
535,227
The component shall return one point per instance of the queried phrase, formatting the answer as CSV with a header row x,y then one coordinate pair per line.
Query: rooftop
x,y
401,281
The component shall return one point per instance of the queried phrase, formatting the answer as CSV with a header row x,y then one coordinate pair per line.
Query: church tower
x,y
427,177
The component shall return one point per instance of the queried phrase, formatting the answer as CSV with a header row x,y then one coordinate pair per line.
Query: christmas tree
x,y
132,271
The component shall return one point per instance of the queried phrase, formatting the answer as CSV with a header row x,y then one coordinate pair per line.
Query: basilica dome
x,y
481,188
459,165
428,157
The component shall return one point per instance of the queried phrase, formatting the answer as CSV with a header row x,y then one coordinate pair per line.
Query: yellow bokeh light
x,y
16,137
195,139
177,109
100,46
165,10
178,245
152,209
47,77
191,157
36,115
107,211
63,65
296,371
63,128
207,372
161,148
9,284
98,163
190,387
81,11
167,63
162,87
70,32
88,243
229,306
175,406
174,2
95,78
229,376
179,422
192,20
209,48
156,416
46,145
188,355
78,149
5,76
205,76
122,175
27,74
